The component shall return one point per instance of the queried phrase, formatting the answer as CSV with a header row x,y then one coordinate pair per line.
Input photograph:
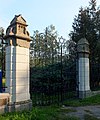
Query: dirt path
x,y
81,111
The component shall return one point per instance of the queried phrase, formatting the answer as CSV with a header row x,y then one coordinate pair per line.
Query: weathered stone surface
x,y
18,106
83,68
16,33
4,98
17,65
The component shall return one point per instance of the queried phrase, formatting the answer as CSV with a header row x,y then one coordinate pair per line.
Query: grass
x,y
88,111
90,117
94,100
40,113
53,112
67,110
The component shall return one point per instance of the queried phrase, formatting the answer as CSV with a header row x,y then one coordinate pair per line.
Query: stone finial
x,y
17,32
83,46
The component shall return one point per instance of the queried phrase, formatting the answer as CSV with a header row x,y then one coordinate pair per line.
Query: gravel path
x,y
81,111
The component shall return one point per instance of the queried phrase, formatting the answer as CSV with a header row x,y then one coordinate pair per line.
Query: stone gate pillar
x,y
17,62
83,68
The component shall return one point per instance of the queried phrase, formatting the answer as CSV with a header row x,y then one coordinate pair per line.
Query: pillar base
x,y
19,106
84,94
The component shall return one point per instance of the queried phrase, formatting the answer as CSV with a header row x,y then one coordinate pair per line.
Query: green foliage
x,y
88,111
53,112
44,47
39,113
90,117
48,65
55,75
94,100
86,24
67,110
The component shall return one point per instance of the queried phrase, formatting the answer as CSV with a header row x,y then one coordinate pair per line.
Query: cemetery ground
x,y
73,109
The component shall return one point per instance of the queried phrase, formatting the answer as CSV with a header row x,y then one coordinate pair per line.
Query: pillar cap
x,y
17,34
83,46
83,41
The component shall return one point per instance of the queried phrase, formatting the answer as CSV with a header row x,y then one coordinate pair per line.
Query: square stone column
x,y
17,64
83,68
17,73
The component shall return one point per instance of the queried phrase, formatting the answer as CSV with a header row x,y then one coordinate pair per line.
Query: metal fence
x,y
49,85
52,77
95,76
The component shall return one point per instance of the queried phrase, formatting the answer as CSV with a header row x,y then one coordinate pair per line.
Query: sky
x,y
42,13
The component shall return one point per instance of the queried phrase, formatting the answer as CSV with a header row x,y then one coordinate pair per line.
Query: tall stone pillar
x,y
17,62
83,68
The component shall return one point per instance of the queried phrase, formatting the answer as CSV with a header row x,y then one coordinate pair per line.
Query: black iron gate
x,y
52,76
95,76
49,86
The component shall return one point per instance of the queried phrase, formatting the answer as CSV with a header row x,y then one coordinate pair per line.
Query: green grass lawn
x,y
40,113
53,112
90,117
94,100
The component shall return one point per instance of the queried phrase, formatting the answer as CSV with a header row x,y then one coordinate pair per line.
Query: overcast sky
x,y
42,13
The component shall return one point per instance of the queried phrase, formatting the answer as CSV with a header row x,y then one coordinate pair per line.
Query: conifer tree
x,y
86,24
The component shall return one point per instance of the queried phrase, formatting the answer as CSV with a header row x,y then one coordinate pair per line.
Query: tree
x,y
2,49
44,47
86,24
